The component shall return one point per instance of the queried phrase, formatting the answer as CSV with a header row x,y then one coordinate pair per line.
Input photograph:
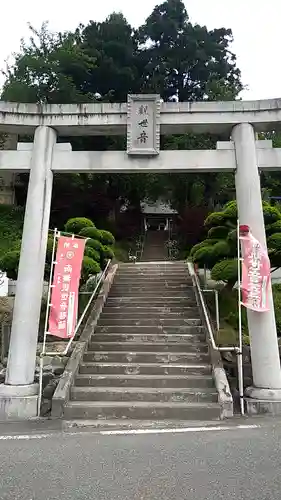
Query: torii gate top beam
x,y
111,119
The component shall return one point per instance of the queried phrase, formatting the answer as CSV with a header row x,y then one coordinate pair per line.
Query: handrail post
x,y
217,310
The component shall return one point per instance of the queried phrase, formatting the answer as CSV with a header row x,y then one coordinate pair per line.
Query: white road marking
x,y
24,437
177,430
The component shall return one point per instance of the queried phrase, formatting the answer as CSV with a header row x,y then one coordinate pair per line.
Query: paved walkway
x,y
202,464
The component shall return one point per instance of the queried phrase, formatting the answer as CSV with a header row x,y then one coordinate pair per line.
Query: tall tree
x,y
51,68
113,45
107,60
185,60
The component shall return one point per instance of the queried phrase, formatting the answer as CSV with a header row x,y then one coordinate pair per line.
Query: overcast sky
x,y
255,25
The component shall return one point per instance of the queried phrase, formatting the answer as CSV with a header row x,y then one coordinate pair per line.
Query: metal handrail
x,y
205,311
139,252
80,321
142,244
235,349
64,353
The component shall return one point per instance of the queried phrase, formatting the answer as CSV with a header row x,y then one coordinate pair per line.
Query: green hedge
x,y
97,251
107,238
10,264
94,254
95,244
219,249
107,252
75,225
91,232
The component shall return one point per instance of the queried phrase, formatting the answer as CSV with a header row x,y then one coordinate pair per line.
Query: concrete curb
x,y
61,395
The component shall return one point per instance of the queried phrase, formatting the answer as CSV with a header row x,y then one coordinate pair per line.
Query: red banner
x,y
255,273
64,297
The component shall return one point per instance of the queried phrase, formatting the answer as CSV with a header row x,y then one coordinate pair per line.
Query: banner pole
x,y
46,326
240,333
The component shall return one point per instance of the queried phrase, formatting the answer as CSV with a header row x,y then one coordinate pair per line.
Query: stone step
x,y
156,254
153,265
147,267
158,275
144,321
154,281
152,301
147,336
150,330
161,313
141,410
146,368
150,267
164,394
153,284
155,290
162,287
121,380
134,309
173,279
147,294
145,357
197,346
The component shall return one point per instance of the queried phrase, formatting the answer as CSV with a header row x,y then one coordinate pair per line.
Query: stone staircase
x,y
148,357
155,246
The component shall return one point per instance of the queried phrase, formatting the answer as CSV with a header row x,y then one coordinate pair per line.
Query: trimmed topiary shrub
x,y
10,264
273,228
204,256
94,254
91,232
201,245
49,251
223,234
274,242
89,268
75,225
218,232
107,238
221,249
271,214
226,270
215,219
107,253
95,244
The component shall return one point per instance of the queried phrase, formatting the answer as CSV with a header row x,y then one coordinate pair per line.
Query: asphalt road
x,y
230,464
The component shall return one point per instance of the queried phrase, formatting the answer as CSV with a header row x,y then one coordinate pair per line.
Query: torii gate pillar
x,y
266,390
19,394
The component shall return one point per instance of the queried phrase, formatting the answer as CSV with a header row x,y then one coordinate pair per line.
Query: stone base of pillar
x,y
263,401
18,402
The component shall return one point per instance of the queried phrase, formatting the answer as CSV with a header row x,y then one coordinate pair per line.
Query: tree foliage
x,y
218,252
103,62
186,60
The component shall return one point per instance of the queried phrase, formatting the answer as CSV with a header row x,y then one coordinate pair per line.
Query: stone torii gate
x,y
143,118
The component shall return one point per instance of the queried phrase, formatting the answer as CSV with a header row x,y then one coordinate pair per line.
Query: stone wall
x,y
230,365
53,368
